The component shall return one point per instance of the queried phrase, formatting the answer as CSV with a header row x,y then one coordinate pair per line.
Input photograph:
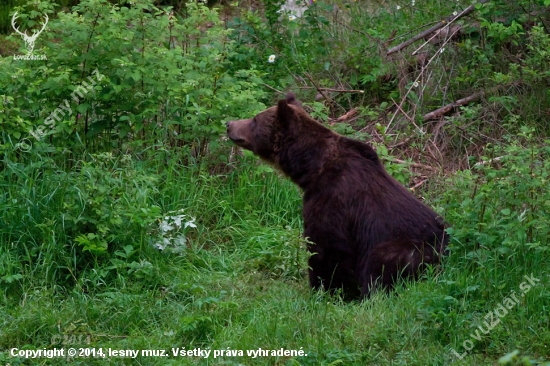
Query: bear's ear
x,y
291,99
285,114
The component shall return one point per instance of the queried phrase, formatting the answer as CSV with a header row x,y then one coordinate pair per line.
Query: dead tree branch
x,y
347,116
436,27
464,101
332,90
418,184
415,165
451,106
272,88
329,101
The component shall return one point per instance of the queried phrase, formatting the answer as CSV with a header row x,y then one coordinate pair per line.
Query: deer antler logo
x,y
29,40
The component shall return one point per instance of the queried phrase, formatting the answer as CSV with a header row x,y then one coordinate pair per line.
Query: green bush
x,y
117,75
507,210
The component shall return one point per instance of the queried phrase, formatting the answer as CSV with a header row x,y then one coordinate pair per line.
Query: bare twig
x,y
445,22
440,155
272,88
438,33
390,39
406,115
332,90
318,89
438,52
418,184
430,156
296,77
414,30
416,165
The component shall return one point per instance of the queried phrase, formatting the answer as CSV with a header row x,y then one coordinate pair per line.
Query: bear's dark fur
x,y
365,227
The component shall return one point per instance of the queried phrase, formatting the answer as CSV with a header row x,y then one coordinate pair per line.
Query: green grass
x,y
241,282
78,264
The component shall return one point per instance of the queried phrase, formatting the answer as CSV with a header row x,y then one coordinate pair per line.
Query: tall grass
x,y
240,283
79,232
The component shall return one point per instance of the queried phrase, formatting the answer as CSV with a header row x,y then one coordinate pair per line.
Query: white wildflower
x,y
190,224
180,241
177,220
165,227
173,230
271,59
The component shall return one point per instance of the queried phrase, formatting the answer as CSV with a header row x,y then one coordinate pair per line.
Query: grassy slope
x,y
241,284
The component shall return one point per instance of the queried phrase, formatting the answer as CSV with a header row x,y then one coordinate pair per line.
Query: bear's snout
x,y
231,129
228,128
238,132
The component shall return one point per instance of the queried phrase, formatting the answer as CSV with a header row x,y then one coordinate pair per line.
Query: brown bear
x,y
365,228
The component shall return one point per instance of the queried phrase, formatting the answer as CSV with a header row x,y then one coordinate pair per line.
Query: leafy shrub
x,y
506,210
278,253
99,214
100,85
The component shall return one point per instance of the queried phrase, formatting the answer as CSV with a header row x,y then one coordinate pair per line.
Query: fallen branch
x,y
418,185
451,106
332,90
415,165
352,112
481,163
436,27
459,103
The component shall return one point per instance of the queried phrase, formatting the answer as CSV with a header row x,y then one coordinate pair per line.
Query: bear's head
x,y
262,134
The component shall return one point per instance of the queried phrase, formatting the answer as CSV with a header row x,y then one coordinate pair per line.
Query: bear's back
x,y
369,206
